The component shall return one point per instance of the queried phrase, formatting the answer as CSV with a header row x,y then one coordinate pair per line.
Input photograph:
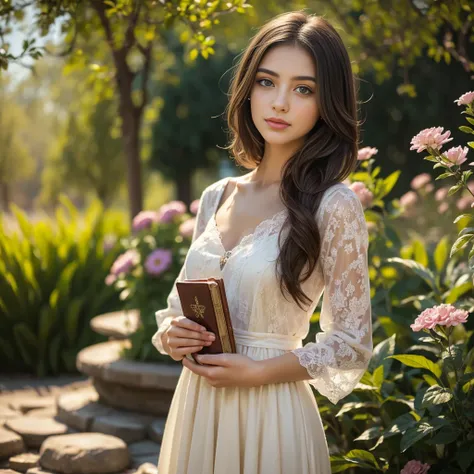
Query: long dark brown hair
x,y
329,153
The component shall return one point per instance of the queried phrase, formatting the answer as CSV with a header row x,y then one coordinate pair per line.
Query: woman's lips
x,y
277,125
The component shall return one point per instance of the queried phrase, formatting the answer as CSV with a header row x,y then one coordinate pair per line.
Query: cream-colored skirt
x,y
270,429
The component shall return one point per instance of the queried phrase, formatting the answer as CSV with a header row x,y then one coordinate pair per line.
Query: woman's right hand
x,y
184,336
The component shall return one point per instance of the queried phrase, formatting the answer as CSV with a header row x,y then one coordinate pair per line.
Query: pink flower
x,y
430,138
429,187
441,193
168,211
366,153
186,229
365,196
109,242
420,180
194,206
443,315
125,262
465,99
415,467
464,202
409,199
158,261
110,279
456,155
144,219
443,207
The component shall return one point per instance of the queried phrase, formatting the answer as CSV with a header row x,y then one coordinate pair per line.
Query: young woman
x,y
279,236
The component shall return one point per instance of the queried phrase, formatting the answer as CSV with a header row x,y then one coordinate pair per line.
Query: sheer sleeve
x,y
341,353
173,308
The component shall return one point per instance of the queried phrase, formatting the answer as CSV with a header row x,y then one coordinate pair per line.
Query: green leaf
x,y
418,432
424,273
441,253
380,353
355,458
378,376
436,395
371,433
466,129
454,189
418,362
460,243
462,216
465,455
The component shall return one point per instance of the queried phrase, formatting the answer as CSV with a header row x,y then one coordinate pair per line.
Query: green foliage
x,y
51,285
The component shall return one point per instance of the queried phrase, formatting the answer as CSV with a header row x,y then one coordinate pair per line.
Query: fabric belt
x,y
267,340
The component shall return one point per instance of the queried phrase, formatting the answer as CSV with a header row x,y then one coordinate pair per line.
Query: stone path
x,y
67,430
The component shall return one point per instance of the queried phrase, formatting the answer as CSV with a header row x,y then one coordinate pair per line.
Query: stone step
x,y
116,324
103,361
35,430
10,444
23,462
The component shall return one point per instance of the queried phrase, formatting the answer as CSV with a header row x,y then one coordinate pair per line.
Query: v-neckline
x,y
246,236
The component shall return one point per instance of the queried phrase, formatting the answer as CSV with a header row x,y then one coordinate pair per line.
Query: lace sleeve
x,y
341,353
173,308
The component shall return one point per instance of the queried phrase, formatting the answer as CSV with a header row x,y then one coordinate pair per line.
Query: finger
x,y
177,342
213,359
186,323
187,333
187,350
196,368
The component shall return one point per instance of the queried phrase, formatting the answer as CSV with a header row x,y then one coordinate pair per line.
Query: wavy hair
x,y
329,153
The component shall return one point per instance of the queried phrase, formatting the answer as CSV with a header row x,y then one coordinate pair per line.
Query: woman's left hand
x,y
227,370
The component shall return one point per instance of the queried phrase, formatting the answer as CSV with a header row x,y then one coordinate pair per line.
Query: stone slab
x,y
116,324
48,412
84,453
78,409
156,430
129,427
103,361
23,462
139,461
143,448
35,430
155,402
32,402
10,443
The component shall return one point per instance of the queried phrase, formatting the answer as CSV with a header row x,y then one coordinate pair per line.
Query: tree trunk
x,y
5,196
183,186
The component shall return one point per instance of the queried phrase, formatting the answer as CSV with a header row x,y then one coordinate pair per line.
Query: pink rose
x,y
415,467
420,181
443,207
464,202
365,196
441,193
430,138
442,315
465,99
366,153
409,199
456,155
186,229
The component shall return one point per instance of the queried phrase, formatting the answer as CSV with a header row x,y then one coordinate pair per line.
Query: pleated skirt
x,y
269,429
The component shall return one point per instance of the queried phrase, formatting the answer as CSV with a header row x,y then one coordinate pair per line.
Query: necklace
x,y
224,258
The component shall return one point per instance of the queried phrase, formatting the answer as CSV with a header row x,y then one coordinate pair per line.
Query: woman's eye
x,y
264,80
306,90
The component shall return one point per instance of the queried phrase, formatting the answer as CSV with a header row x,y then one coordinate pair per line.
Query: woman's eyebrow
x,y
296,78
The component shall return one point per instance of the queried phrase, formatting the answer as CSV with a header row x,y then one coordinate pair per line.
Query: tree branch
x,y
145,73
130,38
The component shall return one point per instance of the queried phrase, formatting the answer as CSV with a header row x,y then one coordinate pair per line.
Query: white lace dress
x,y
273,428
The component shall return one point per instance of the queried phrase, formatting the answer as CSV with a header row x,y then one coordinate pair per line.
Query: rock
x,y
25,404
143,448
103,361
156,429
7,413
139,461
35,430
38,470
147,468
48,412
8,471
84,453
23,462
129,427
155,402
10,443
117,324
78,409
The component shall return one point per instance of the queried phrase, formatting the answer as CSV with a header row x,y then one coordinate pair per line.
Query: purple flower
x,y
167,211
125,262
194,206
465,99
158,261
144,219
415,467
186,229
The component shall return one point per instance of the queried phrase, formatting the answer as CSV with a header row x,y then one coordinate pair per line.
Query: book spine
x,y
221,322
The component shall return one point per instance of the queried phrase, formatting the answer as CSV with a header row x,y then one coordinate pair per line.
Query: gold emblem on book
x,y
198,309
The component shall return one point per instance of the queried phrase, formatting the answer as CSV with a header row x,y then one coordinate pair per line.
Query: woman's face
x,y
285,88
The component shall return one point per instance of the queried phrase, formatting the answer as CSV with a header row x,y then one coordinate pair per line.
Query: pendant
x,y
224,259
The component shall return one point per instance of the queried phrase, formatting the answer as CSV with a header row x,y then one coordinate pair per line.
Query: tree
x,y
131,31
15,160
191,125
